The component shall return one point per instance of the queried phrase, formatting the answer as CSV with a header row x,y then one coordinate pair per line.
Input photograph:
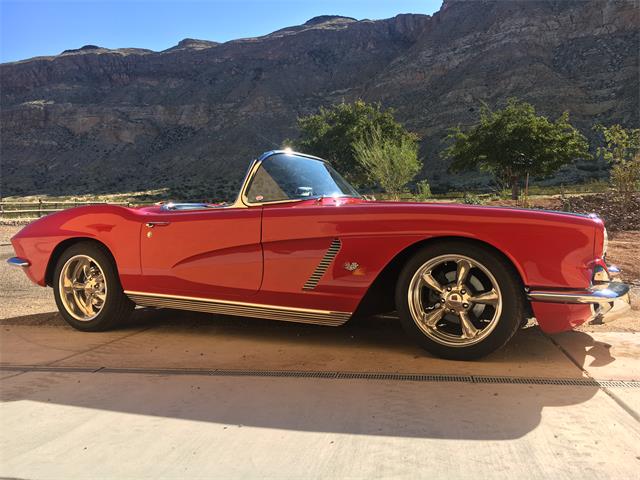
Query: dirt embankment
x,y
620,213
624,251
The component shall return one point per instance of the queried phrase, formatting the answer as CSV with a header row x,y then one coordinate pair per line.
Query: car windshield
x,y
285,176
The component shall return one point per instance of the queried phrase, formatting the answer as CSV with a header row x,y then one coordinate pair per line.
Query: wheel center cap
x,y
455,300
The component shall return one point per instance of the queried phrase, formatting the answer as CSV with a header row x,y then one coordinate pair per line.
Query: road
x,y
181,395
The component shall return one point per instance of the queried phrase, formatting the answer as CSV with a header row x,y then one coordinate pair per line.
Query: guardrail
x,y
40,208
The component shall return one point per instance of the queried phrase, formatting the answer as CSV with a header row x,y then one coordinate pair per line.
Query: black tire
x,y
116,307
510,285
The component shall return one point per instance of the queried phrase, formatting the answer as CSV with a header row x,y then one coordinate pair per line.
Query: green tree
x,y
333,131
621,150
515,142
388,162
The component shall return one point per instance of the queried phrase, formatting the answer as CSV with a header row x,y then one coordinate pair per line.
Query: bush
x,y
471,199
625,176
622,150
424,190
332,133
389,163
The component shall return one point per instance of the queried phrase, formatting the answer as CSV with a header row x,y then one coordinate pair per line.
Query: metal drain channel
x,y
402,377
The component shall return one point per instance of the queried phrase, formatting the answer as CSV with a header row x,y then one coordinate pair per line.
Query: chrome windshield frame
x,y
242,200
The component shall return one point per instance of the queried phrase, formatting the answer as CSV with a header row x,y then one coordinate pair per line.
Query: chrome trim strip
x,y
245,182
18,262
243,309
323,266
242,201
157,224
597,294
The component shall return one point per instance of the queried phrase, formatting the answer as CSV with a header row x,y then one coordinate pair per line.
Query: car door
x,y
212,253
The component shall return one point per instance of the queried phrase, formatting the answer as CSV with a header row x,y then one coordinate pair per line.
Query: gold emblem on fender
x,y
351,266
149,234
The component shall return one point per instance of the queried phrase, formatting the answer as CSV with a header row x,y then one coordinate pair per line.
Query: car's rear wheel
x,y
459,300
87,288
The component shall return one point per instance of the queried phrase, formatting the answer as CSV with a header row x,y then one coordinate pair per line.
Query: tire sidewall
x,y
508,282
105,318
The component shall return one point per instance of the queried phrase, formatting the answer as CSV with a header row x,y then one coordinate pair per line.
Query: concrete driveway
x,y
181,395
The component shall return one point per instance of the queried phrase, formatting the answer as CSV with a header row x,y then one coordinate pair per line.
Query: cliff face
x,y
191,117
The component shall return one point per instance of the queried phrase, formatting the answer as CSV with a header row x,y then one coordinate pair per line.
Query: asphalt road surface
x,y
182,395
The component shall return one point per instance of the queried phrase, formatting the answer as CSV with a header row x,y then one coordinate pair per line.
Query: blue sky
x,y
32,28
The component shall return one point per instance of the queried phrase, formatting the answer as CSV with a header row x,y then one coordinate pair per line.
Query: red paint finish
x,y
265,254
116,227
202,253
557,317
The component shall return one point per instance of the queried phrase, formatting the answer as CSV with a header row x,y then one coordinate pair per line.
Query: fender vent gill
x,y
322,267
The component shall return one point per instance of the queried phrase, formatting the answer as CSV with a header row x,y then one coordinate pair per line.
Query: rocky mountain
x,y
191,117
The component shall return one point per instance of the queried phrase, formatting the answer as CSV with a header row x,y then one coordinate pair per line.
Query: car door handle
x,y
157,224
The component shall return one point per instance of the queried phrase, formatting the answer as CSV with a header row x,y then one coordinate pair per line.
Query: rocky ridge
x,y
189,118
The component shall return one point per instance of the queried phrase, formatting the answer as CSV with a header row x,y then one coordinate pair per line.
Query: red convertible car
x,y
300,244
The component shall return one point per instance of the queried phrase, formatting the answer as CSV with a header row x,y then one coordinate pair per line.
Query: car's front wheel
x,y
87,288
459,300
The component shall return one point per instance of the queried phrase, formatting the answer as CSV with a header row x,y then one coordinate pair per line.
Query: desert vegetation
x,y
515,143
358,138
374,151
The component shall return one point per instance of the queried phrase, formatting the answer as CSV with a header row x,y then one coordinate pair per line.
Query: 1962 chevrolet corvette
x,y
300,244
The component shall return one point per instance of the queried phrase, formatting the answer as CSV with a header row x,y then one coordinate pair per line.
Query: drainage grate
x,y
587,382
402,377
407,377
156,371
47,368
273,373
613,383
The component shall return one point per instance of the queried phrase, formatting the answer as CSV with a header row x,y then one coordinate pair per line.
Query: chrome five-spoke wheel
x,y
455,300
460,299
87,288
83,287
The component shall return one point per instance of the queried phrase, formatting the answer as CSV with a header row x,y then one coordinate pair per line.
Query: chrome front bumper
x,y
608,300
18,262
597,294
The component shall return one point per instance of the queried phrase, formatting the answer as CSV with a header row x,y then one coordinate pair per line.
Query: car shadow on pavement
x,y
426,409
363,407
586,352
587,346
163,338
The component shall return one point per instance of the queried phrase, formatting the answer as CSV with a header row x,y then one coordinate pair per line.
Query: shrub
x,y
471,199
622,150
388,162
332,133
424,190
